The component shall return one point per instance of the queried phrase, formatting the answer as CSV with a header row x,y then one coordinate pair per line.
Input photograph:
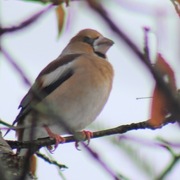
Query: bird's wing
x,y
51,77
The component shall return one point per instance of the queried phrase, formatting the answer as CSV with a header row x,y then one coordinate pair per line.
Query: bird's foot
x,y
57,138
86,135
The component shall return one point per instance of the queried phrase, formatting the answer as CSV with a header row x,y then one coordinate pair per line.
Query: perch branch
x,y
117,130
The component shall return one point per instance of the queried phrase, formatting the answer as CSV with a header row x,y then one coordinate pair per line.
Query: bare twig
x,y
26,23
16,67
146,44
5,123
45,158
99,160
174,161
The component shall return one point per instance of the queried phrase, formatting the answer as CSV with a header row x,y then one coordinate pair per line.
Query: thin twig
x,y
15,66
50,161
146,44
173,162
6,124
26,23
99,160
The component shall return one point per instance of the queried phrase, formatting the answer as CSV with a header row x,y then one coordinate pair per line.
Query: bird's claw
x,y
88,135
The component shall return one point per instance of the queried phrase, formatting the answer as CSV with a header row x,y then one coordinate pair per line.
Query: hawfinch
x,y
76,85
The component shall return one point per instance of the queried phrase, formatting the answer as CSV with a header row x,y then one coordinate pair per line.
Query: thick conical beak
x,y
102,44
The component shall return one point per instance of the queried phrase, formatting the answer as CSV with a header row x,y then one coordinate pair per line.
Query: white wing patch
x,y
51,77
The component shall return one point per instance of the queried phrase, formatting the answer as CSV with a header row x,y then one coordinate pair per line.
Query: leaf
x,y
166,71
160,106
33,165
60,13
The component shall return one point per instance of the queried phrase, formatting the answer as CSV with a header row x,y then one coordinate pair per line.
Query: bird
x,y
76,85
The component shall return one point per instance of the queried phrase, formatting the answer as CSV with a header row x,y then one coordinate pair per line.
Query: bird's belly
x,y
79,113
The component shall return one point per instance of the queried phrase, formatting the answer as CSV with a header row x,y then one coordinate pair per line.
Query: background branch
x,y
25,23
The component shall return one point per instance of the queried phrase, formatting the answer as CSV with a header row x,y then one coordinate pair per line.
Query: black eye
x,y
88,40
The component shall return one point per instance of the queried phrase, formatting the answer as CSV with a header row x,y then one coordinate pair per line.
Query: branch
x,y
117,130
98,159
27,22
170,167
174,161
15,66
5,124
146,44
11,166
50,161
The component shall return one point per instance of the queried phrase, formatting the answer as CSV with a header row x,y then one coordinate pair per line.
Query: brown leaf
x,y
60,13
160,106
166,71
33,165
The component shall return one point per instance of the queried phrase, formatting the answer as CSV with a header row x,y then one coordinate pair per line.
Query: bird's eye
x,y
88,40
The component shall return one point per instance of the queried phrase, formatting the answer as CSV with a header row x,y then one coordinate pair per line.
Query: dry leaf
x,y
166,71
60,18
160,106
33,165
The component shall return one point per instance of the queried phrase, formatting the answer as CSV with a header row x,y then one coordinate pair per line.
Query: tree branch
x,y
50,161
15,66
170,166
11,166
26,23
80,136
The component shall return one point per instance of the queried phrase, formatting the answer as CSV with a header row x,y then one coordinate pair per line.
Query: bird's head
x,y
89,41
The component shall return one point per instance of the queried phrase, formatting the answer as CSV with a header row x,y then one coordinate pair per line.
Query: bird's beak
x,y
102,44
